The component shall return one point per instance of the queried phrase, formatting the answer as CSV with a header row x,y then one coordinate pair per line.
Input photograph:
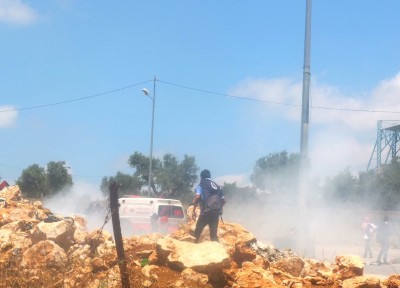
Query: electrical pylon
x,y
386,148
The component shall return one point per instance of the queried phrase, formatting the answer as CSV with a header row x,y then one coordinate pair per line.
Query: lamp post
x,y
153,98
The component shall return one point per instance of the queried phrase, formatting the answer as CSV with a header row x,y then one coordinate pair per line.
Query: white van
x,y
150,215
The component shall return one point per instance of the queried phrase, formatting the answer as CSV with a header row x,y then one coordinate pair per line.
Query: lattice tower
x,y
386,147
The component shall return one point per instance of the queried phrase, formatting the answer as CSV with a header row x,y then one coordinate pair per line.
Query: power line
x,y
354,110
203,91
278,103
227,95
76,99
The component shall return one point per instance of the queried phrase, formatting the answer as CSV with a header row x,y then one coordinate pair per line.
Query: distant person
x,y
211,199
368,229
383,237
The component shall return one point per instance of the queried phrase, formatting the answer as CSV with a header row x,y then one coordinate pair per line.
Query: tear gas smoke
x,y
79,200
333,228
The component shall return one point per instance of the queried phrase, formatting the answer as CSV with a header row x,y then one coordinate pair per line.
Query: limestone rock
x,y
98,264
362,282
348,266
205,257
251,275
11,193
150,271
190,275
393,281
14,239
20,225
45,254
61,232
291,265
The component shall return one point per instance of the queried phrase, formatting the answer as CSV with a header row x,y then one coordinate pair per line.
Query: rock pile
x,y
40,249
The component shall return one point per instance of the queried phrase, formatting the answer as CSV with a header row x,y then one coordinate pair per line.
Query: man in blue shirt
x,y
211,199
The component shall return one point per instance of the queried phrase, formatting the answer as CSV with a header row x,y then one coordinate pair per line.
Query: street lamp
x,y
153,98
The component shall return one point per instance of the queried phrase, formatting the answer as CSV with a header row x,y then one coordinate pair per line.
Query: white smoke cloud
x,y
240,180
76,200
16,12
8,117
342,129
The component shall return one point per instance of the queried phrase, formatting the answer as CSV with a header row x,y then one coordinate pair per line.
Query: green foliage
x,y
375,190
128,184
233,193
32,182
141,165
38,182
171,178
277,174
58,177
389,180
176,178
342,187
368,190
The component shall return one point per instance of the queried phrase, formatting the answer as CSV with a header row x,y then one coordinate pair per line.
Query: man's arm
x,y
196,201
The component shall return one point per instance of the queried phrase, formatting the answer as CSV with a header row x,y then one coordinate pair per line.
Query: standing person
x,y
211,199
368,229
383,237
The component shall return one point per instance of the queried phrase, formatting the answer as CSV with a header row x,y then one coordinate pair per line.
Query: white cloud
x,y
279,90
16,12
9,117
338,138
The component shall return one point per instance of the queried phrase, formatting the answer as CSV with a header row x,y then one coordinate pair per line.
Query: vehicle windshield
x,y
170,211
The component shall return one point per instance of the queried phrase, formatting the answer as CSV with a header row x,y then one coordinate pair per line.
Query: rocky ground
x,y
40,249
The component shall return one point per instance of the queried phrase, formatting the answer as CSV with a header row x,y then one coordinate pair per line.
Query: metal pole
x,y
303,173
306,86
152,132
113,188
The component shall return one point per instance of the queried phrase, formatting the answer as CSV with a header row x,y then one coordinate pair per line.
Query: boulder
x,y
235,239
362,282
292,265
150,271
20,225
348,266
190,275
21,213
318,273
61,232
392,282
11,193
253,276
206,257
45,254
98,264
11,239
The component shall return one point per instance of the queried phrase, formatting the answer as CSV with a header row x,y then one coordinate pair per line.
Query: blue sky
x,y
95,57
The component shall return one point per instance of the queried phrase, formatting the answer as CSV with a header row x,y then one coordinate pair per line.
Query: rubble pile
x,y
40,249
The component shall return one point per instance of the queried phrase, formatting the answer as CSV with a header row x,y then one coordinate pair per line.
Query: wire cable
x,y
227,95
355,110
279,103
203,91
76,99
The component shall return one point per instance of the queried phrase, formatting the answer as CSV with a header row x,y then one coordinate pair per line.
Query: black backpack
x,y
212,196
